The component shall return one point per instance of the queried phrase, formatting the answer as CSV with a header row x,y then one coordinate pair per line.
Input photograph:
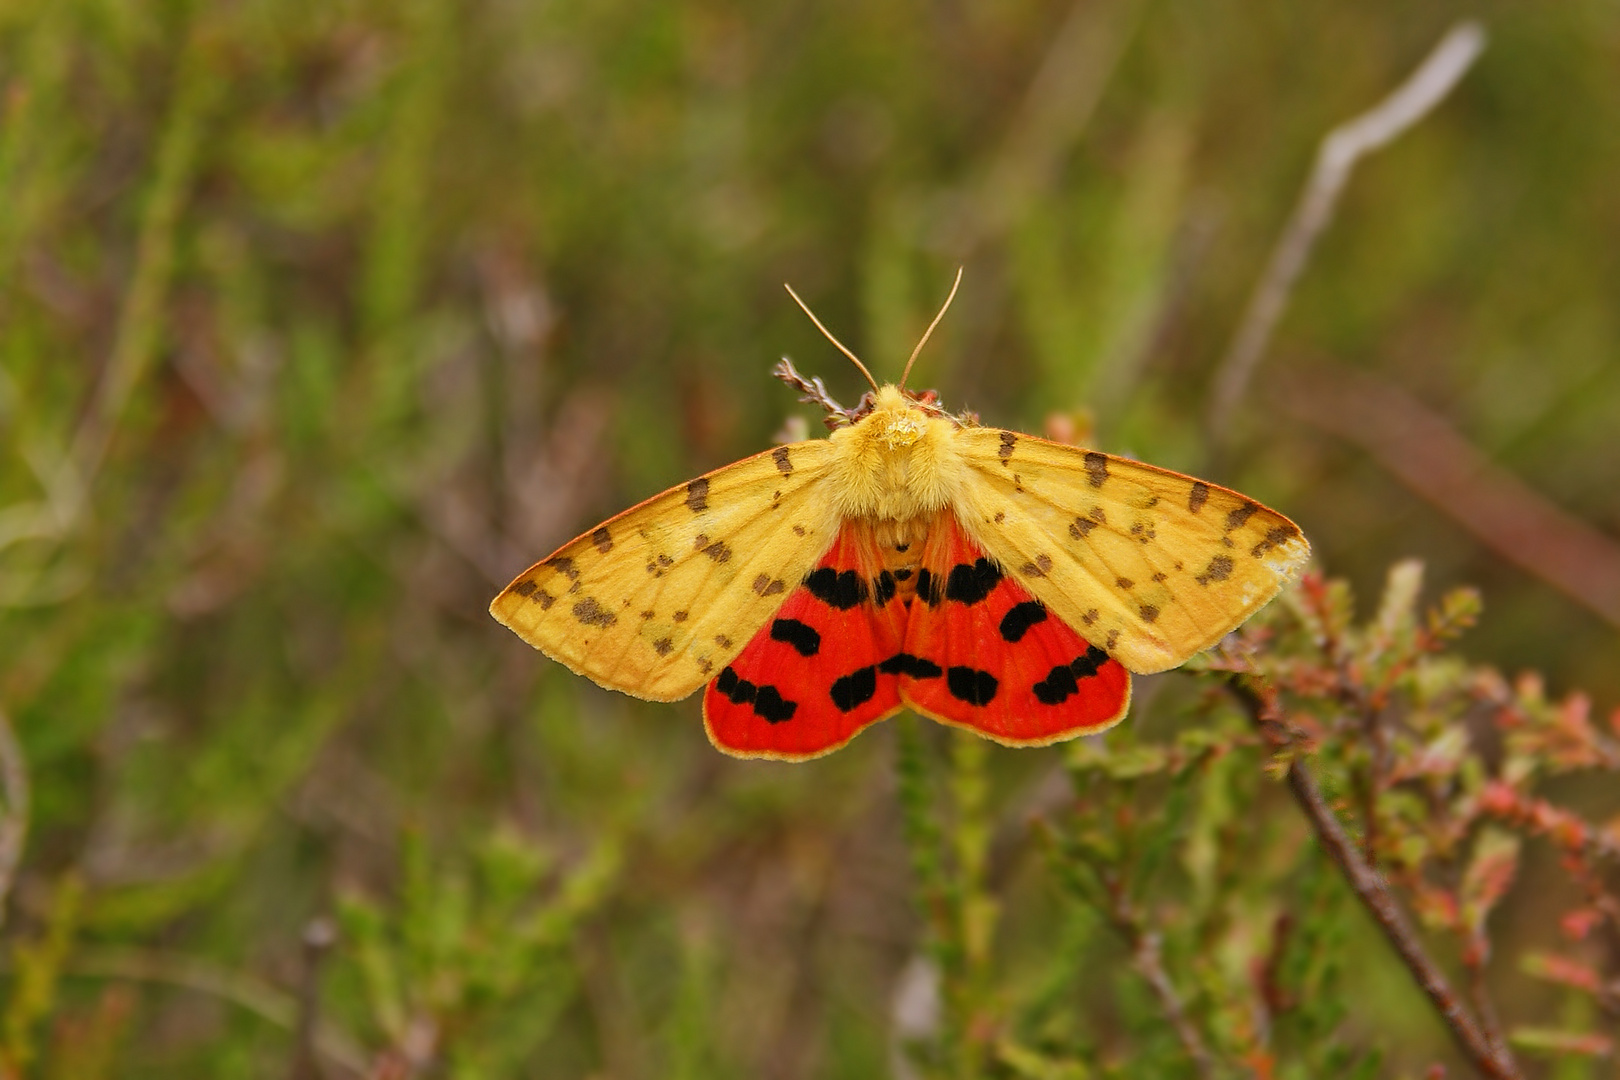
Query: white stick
x,y
1335,158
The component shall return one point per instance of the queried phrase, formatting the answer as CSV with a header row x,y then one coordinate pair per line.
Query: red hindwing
x,y
971,647
984,654
810,679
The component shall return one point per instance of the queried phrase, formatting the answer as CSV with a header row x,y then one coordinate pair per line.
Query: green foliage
x,y
318,321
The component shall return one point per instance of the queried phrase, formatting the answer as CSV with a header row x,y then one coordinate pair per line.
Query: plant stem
x,y
1487,1050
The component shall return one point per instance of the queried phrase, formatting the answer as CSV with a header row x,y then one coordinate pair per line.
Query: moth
x,y
988,579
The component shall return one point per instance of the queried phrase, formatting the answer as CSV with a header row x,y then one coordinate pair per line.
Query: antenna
x,y
929,332
806,309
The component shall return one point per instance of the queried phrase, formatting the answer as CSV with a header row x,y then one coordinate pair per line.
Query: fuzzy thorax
x,y
898,462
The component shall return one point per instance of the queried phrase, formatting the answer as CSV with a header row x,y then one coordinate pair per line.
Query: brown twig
x,y
1428,455
319,937
1337,156
204,977
1146,954
1487,1050
14,825
1081,57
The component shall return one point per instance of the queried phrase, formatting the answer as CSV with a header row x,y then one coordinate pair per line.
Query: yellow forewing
x,y
1150,564
655,601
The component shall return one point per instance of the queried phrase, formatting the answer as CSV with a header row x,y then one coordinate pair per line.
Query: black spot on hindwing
x,y
1058,686
768,703
1084,667
854,689
802,636
771,707
840,589
1063,681
971,685
883,588
971,584
912,666
929,588
1020,617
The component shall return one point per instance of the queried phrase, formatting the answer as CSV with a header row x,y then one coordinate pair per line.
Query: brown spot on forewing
x,y
602,539
718,551
1198,496
563,565
765,585
1239,515
1008,441
1219,569
784,463
697,495
591,613
663,646
1148,612
1039,568
1096,468
1275,537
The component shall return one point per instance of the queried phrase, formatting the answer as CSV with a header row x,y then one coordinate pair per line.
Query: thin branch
x,y
14,825
1475,959
138,337
1337,156
1146,954
247,993
1079,62
1432,459
319,937
1487,1050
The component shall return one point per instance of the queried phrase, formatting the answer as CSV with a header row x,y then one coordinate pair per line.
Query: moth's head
x,y
896,420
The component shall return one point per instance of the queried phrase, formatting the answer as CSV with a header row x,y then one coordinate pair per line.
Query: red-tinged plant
x,y
1420,784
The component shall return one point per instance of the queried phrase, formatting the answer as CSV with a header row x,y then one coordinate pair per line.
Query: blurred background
x,y
320,321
